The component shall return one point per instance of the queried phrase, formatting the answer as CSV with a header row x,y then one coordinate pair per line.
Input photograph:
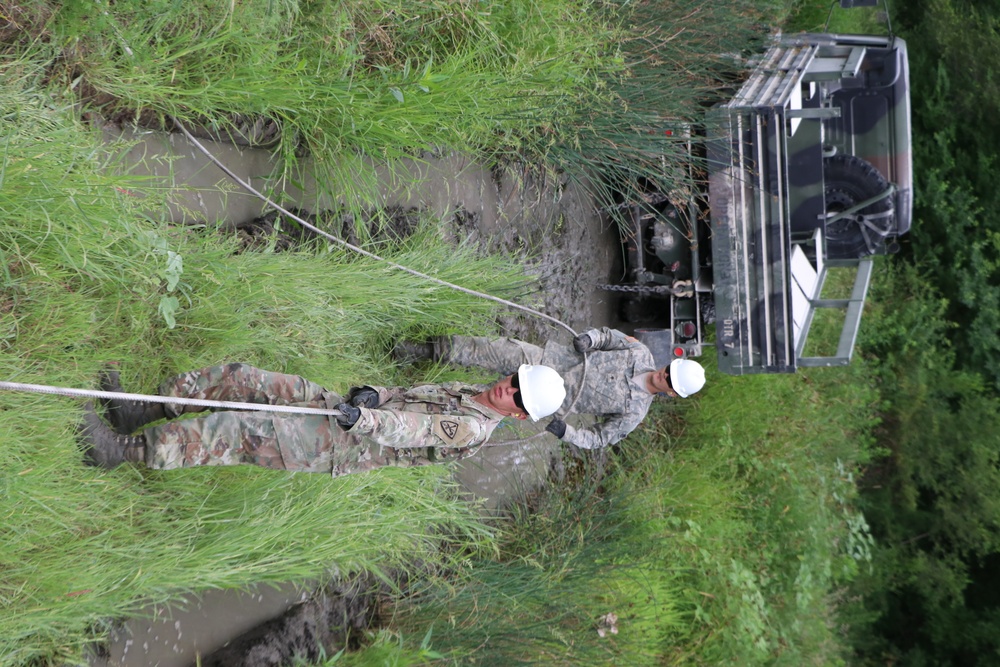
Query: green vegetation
x,y
955,139
932,339
85,275
721,536
726,530
932,502
348,81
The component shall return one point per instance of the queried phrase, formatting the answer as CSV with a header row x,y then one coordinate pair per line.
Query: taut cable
x,y
200,402
249,188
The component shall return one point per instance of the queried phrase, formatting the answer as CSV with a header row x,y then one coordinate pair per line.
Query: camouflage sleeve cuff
x,y
572,436
386,394
366,422
608,339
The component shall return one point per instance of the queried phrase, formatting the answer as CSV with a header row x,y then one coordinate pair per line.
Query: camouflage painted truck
x,y
808,169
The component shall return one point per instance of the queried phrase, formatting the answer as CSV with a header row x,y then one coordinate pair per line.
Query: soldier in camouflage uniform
x,y
621,378
378,426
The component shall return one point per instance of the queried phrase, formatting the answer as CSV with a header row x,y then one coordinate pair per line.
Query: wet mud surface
x,y
334,617
551,224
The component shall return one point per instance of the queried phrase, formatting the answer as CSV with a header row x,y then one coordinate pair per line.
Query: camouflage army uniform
x,y
426,424
609,391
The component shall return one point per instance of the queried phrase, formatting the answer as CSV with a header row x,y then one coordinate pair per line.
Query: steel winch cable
x,y
264,407
200,402
531,311
249,188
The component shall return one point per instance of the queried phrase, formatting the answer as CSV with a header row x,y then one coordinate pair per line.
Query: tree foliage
x,y
934,334
933,504
955,91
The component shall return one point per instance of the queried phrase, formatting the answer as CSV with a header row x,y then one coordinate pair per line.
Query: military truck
x,y
808,168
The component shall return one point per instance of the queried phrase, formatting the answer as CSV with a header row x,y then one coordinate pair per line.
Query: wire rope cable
x,y
265,407
260,195
249,188
199,402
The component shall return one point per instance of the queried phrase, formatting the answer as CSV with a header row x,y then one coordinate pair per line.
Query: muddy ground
x,y
550,223
571,248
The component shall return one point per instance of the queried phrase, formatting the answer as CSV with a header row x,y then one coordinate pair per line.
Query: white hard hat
x,y
542,390
686,377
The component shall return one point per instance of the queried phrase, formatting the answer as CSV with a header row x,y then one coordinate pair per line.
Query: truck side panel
x,y
750,254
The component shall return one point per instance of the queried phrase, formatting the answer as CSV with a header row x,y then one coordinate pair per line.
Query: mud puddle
x,y
575,249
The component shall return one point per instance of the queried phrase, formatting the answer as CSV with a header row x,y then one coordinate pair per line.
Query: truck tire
x,y
849,181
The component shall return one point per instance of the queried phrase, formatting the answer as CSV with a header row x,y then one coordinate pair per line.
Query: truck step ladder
x,y
808,277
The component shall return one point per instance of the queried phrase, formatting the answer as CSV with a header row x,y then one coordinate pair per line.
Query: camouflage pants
x,y
284,441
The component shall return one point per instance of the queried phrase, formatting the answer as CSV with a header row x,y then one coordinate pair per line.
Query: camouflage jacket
x,y
609,391
425,424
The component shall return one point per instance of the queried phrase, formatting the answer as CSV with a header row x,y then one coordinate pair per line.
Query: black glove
x,y
582,343
557,427
349,416
364,397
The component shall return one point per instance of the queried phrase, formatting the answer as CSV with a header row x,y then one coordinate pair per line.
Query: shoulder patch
x,y
453,432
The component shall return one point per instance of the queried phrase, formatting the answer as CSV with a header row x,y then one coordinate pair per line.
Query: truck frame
x,y
808,169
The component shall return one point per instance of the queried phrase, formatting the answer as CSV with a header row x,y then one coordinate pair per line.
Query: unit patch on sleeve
x,y
453,432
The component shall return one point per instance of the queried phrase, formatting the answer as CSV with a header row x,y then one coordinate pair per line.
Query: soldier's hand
x,y
582,343
349,415
556,427
365,397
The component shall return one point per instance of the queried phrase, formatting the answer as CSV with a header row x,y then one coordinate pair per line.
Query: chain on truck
x,y
809,169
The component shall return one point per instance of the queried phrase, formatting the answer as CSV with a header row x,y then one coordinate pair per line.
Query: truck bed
x,y
765,160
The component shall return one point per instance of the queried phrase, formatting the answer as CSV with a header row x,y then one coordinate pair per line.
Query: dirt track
x,y
552,224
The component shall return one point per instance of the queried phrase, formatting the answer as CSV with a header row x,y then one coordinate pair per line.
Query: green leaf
x,y
425,645
169,305
175,267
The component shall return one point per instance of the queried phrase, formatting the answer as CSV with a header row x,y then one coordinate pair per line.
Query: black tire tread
x,y
849,178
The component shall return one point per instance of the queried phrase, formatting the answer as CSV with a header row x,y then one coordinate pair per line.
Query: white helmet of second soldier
x,y
686,377
542,390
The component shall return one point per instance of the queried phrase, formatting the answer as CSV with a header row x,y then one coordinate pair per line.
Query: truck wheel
x,y
849,181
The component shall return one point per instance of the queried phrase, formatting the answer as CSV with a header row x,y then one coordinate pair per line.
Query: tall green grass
x,y
792,445
725,533
587,87
384,79
84,275
562,568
